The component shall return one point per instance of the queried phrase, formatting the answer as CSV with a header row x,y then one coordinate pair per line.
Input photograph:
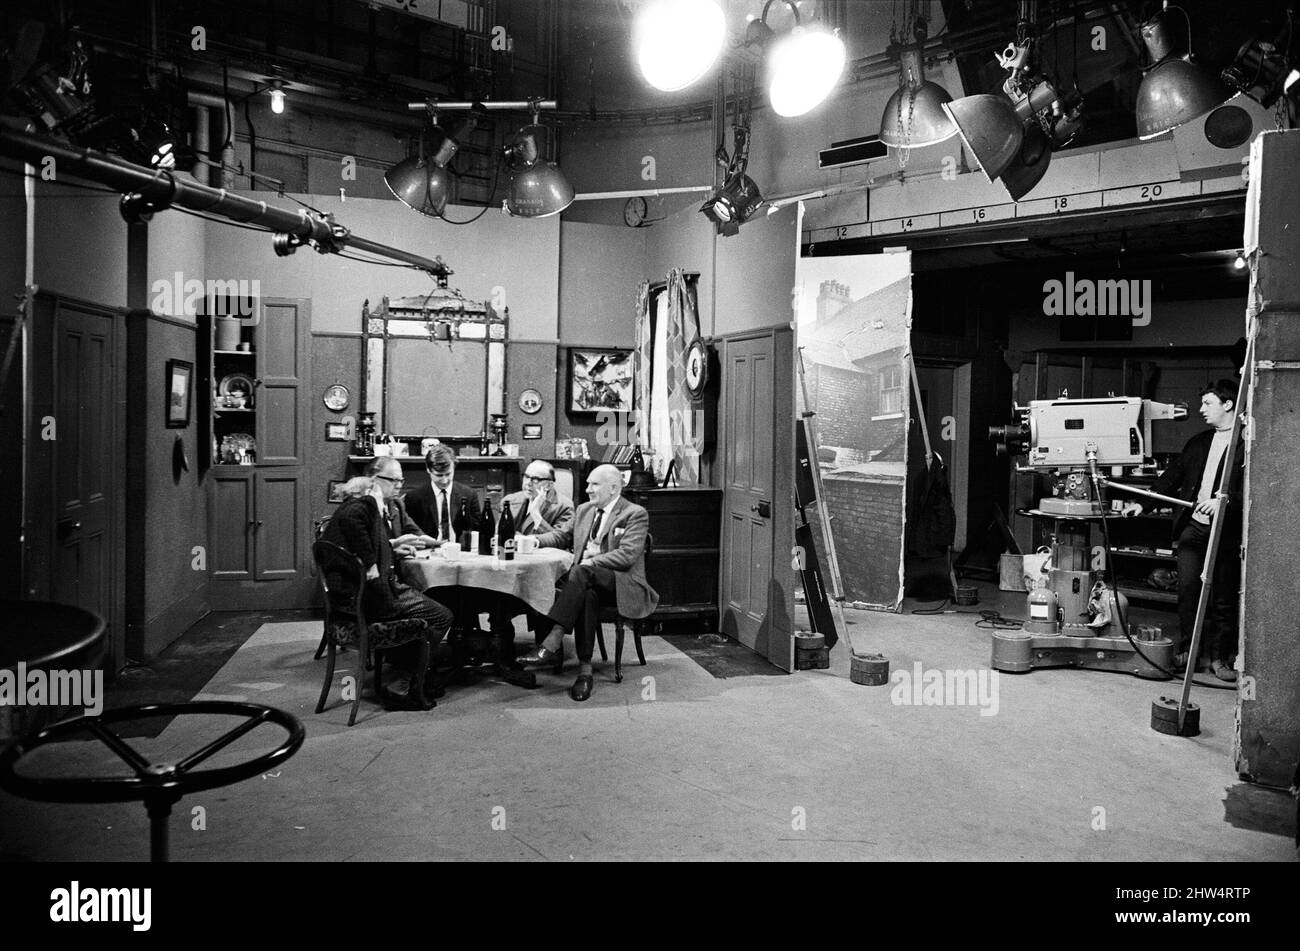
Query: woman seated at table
x,y
358,527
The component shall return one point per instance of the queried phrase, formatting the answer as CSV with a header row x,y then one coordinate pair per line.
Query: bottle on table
x,y
487,536
506,534
462,526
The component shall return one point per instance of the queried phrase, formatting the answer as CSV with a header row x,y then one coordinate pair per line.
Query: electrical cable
x,y
496,178
1114,585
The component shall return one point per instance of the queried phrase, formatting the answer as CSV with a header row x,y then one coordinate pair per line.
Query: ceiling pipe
x,y
156,190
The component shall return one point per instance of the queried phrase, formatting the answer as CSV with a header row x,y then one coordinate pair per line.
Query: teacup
x,y
450,551
525,544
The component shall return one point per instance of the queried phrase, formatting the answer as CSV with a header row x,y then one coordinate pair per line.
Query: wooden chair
x,y
346,625
638,628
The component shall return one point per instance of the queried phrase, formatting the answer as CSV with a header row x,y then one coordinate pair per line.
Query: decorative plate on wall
x,y
530,401
336,397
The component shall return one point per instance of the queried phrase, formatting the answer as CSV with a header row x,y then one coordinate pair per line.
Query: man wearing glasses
x,y
403,532
539,510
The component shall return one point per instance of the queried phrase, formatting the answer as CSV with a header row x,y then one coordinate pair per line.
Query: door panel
x,y
282,372
278,526
232,526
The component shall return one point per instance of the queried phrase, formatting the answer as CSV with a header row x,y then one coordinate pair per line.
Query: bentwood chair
x,y
638,628
346,625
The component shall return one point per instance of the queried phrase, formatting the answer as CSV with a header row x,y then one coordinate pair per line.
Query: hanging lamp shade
x,y
1030,164
803,66
914,115
1175,90
990,130
421,185
537,188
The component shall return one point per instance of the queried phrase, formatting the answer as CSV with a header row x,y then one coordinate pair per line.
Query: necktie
x,y
444,521
595,526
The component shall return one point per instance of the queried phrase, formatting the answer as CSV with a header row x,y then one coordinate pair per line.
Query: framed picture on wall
x,y
180,376
599,379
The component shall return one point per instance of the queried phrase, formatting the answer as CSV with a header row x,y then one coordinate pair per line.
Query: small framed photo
x,y
532,430
337,432
180,376
599,379
336,490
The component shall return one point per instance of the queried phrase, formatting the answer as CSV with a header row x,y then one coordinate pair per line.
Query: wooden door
x,y
75,464
282,355
233,522
751,507
278,525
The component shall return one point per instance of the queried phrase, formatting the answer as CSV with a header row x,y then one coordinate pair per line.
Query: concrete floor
x,y
808,766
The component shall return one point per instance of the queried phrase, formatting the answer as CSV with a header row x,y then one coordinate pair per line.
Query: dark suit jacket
x,y
422,506
622,550
1182,480
358,527
556,518
400,521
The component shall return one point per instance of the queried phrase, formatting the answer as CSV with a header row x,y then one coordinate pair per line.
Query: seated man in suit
x,y
404,533
539,510
359,527
436,505
608,568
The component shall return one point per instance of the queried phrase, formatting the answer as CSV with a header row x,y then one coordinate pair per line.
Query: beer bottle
x,y
461,525
506,534
487,536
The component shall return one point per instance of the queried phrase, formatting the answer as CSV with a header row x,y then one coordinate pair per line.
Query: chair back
x,y
330,557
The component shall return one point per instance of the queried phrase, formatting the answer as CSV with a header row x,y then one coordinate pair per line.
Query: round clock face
x,y
635,211
697,369
336,397
530,401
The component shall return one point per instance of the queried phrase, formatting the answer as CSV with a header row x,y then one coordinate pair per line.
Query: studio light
x,y
677,41
914,116
1030,163
537,188
990,130
733,204
421,185
801,67
277,98
1174,90
1240,262
1262,69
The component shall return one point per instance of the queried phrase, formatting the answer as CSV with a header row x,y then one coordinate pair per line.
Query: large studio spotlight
x,y
733,204
1030,163
421,185
914,116
990,130
537,188
801,67
677,41
1174,90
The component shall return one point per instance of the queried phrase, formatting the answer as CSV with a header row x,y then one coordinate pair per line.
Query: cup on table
x,y
526,544
450,551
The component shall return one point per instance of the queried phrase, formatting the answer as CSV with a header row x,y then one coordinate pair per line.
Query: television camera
x,y
1075,618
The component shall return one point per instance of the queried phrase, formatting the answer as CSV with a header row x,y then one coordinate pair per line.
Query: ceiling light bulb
x,y
1240,263
803,67
678,41
277,101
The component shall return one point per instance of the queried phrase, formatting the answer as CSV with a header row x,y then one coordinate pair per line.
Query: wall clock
x,y
336,397
697,369
635,211
530,401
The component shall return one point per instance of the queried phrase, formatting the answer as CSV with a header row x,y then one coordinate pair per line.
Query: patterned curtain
x,y
642,359
683,328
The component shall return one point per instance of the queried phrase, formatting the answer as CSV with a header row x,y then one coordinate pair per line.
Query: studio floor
x,y
705,754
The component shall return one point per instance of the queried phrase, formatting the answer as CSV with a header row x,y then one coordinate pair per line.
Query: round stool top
x,y
45,634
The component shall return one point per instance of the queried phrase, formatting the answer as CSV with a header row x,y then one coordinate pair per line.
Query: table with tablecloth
x,y
530,578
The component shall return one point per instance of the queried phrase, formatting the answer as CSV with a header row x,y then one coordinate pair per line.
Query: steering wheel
x,y
158,785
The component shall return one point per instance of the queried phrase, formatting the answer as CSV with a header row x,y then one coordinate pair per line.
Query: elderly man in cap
x,y
608,569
